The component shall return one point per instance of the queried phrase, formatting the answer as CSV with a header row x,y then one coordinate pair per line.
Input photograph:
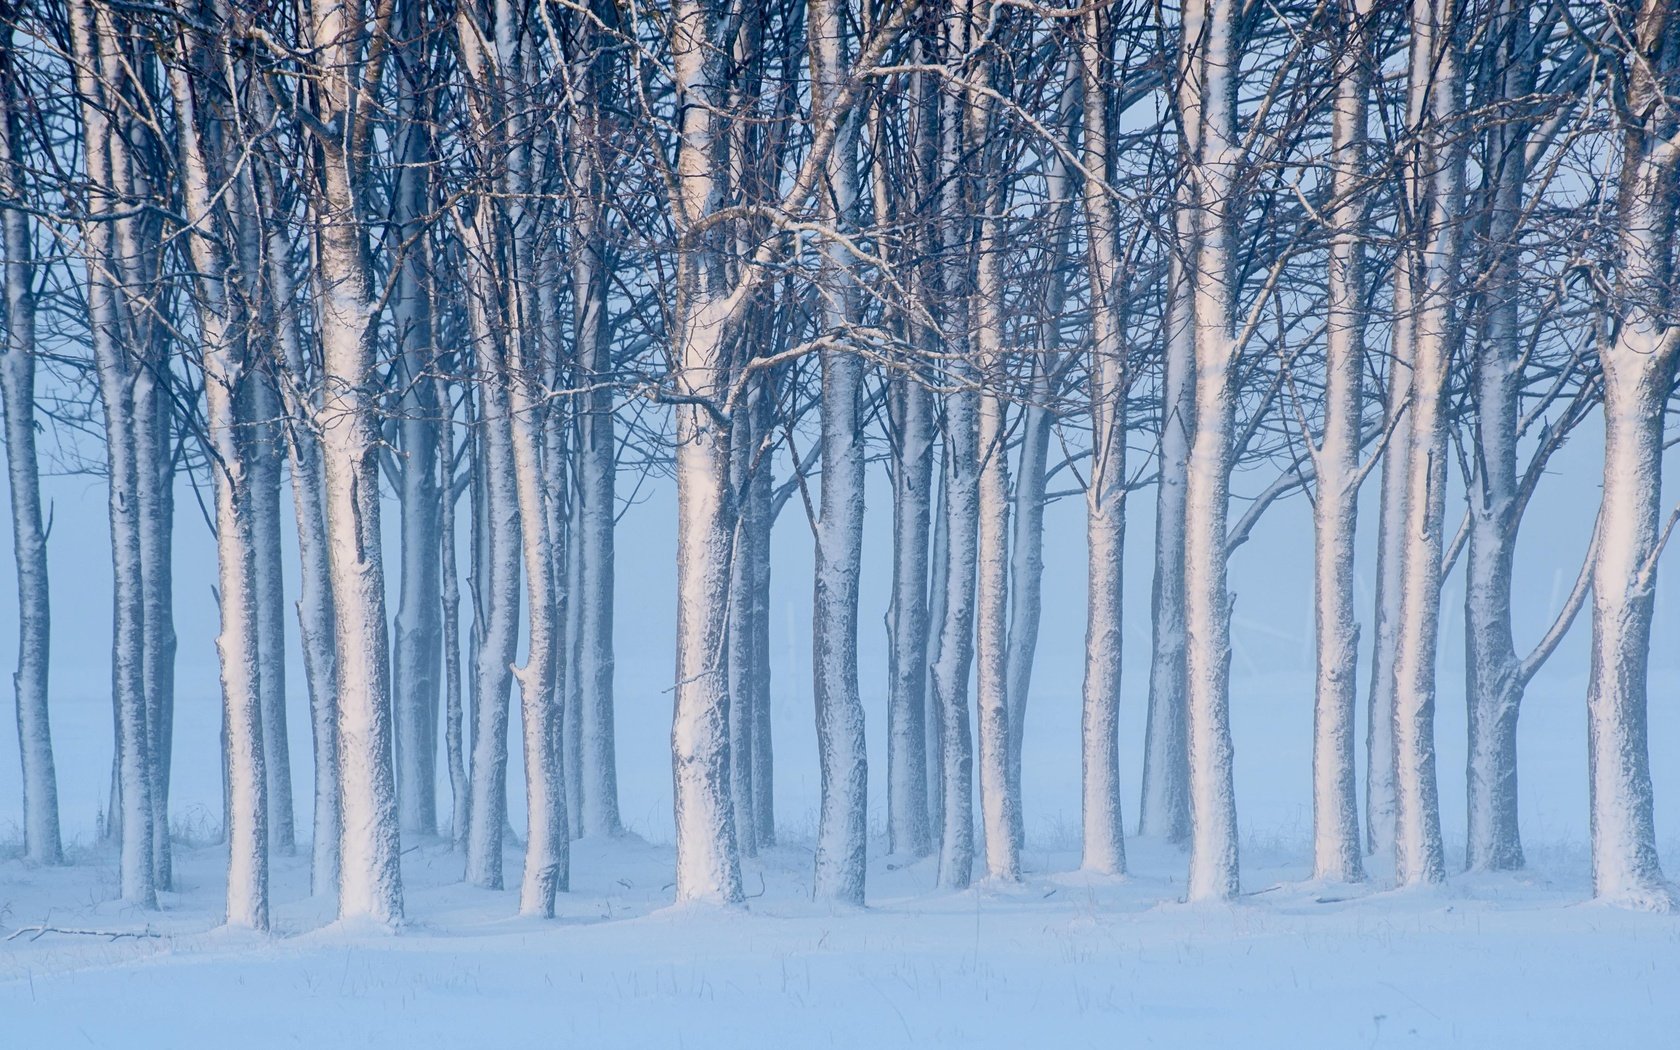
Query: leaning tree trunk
x,y
41,844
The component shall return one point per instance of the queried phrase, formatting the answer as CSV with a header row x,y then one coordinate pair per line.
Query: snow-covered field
x,y
1060,961
1516,961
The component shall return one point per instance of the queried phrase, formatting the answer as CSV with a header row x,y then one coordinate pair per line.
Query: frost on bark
x,y
1164,804
1639,371
1104,846
842,818
998,804
1337,850
960,498
911,427
314,603
108,246
262,489
1206,99
1432,173
370,879
41,843
454,733
908,828
498,515
223,355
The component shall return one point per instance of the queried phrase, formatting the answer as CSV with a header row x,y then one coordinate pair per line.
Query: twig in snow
x,y
114,935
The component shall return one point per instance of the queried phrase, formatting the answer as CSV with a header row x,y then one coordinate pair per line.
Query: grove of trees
x,y
486,264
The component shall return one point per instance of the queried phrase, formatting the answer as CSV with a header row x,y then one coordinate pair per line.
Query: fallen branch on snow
x,y
115,935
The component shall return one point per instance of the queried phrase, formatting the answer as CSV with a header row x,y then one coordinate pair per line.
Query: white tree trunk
x,y
1433,175
314,605
1639,372
1337,852
842,818
908,828
1104,844
41,844
1164,803
499,587
1206,100
239,644
98,73
370,877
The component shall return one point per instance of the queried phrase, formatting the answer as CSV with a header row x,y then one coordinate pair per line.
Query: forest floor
x,y
1062,959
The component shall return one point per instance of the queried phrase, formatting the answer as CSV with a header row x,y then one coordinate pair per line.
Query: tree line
x,y
493,264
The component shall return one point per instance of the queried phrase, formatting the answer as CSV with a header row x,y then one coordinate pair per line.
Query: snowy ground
x,y
1062,960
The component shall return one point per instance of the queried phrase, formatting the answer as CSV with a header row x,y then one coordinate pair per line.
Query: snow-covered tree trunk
x,y
454,738
998,805
1104,844
708,862
1207,99
1433,175
547,842
939,573
223,358
740,633
262,489
41,844
314,605
1639,369
499,587
99,72
842,818
956,643
1337,851
755,536
960,500
596,466
908,829
370,878
417,630
1494,685
155,500
1391,540
1164,802
1026,555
